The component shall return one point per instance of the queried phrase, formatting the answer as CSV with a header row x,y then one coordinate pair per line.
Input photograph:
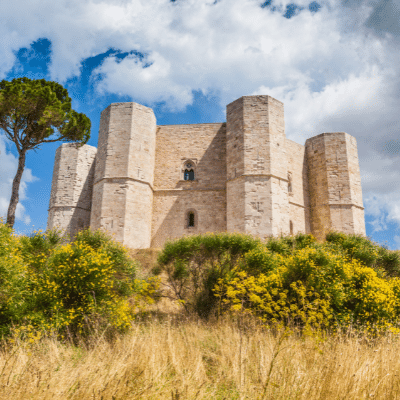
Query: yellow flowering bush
x,y
78,282
313,287
53,286
13,276
347,279
147,291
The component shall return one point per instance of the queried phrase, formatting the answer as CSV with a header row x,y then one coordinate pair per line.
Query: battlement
x,y
147,184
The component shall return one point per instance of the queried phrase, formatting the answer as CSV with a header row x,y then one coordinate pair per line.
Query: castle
x,y
146,184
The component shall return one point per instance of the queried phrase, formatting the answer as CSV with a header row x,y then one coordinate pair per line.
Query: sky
x,y
333,63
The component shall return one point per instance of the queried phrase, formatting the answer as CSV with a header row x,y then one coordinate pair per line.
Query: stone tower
x,y
334,184
246,177
122,191
257,176
71,189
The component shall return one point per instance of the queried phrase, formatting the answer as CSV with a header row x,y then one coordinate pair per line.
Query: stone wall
x,y
122,194
174,198
71,188
248,177
257,195
334,184
298,188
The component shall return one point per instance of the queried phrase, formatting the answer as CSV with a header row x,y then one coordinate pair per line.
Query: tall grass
x,y
168,354
197,360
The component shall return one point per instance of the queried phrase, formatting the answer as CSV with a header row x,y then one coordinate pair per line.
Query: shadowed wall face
x,y
298,195
71,189
203,147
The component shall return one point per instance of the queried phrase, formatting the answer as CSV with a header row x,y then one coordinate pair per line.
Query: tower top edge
x,y
325,134
197,125
260,97
128,105
77,145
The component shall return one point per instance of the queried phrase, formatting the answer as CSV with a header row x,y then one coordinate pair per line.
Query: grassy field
x,y
190,359
168,351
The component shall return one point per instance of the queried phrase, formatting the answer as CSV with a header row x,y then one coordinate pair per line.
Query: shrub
x,y
369,253
315,287
86,281
193,265
54,286
286,245
260,260
13,280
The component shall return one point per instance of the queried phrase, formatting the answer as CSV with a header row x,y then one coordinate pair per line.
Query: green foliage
x,y
364,250
87,279
207,247
315,287
51,286
194,264
38,109
286,245
345,280
261,260
13,272
33,112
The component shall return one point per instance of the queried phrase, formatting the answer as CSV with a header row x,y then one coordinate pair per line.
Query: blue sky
x,y
333,63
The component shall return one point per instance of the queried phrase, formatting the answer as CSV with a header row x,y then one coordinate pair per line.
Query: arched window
x,y
291,227
191,219
188,174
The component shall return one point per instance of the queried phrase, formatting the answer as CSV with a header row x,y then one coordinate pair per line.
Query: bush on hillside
x,y
13,278
84,282
193,265
288,279
314,286
364,250
54,286
286,245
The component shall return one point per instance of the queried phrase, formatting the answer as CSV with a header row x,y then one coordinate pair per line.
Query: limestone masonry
x,y
146,184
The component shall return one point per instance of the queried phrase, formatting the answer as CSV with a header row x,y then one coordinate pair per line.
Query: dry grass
x,y
194,360
147,259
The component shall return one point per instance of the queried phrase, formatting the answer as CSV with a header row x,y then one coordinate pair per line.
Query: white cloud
x,y
335,70
149,84
8,168
397,241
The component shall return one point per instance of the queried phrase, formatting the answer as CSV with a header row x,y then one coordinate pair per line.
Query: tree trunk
x,y
15,190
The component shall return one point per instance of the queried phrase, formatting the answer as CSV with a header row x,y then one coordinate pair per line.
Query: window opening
x,y
189,175
189,172
291,227
290,188
190,219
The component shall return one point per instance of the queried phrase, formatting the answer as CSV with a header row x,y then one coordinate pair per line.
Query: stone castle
x,y
146,184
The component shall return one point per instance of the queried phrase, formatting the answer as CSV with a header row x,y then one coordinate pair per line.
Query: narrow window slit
x,y
191,219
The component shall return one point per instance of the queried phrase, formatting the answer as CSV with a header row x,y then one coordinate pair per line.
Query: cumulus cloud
x,y
335,69
8,168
